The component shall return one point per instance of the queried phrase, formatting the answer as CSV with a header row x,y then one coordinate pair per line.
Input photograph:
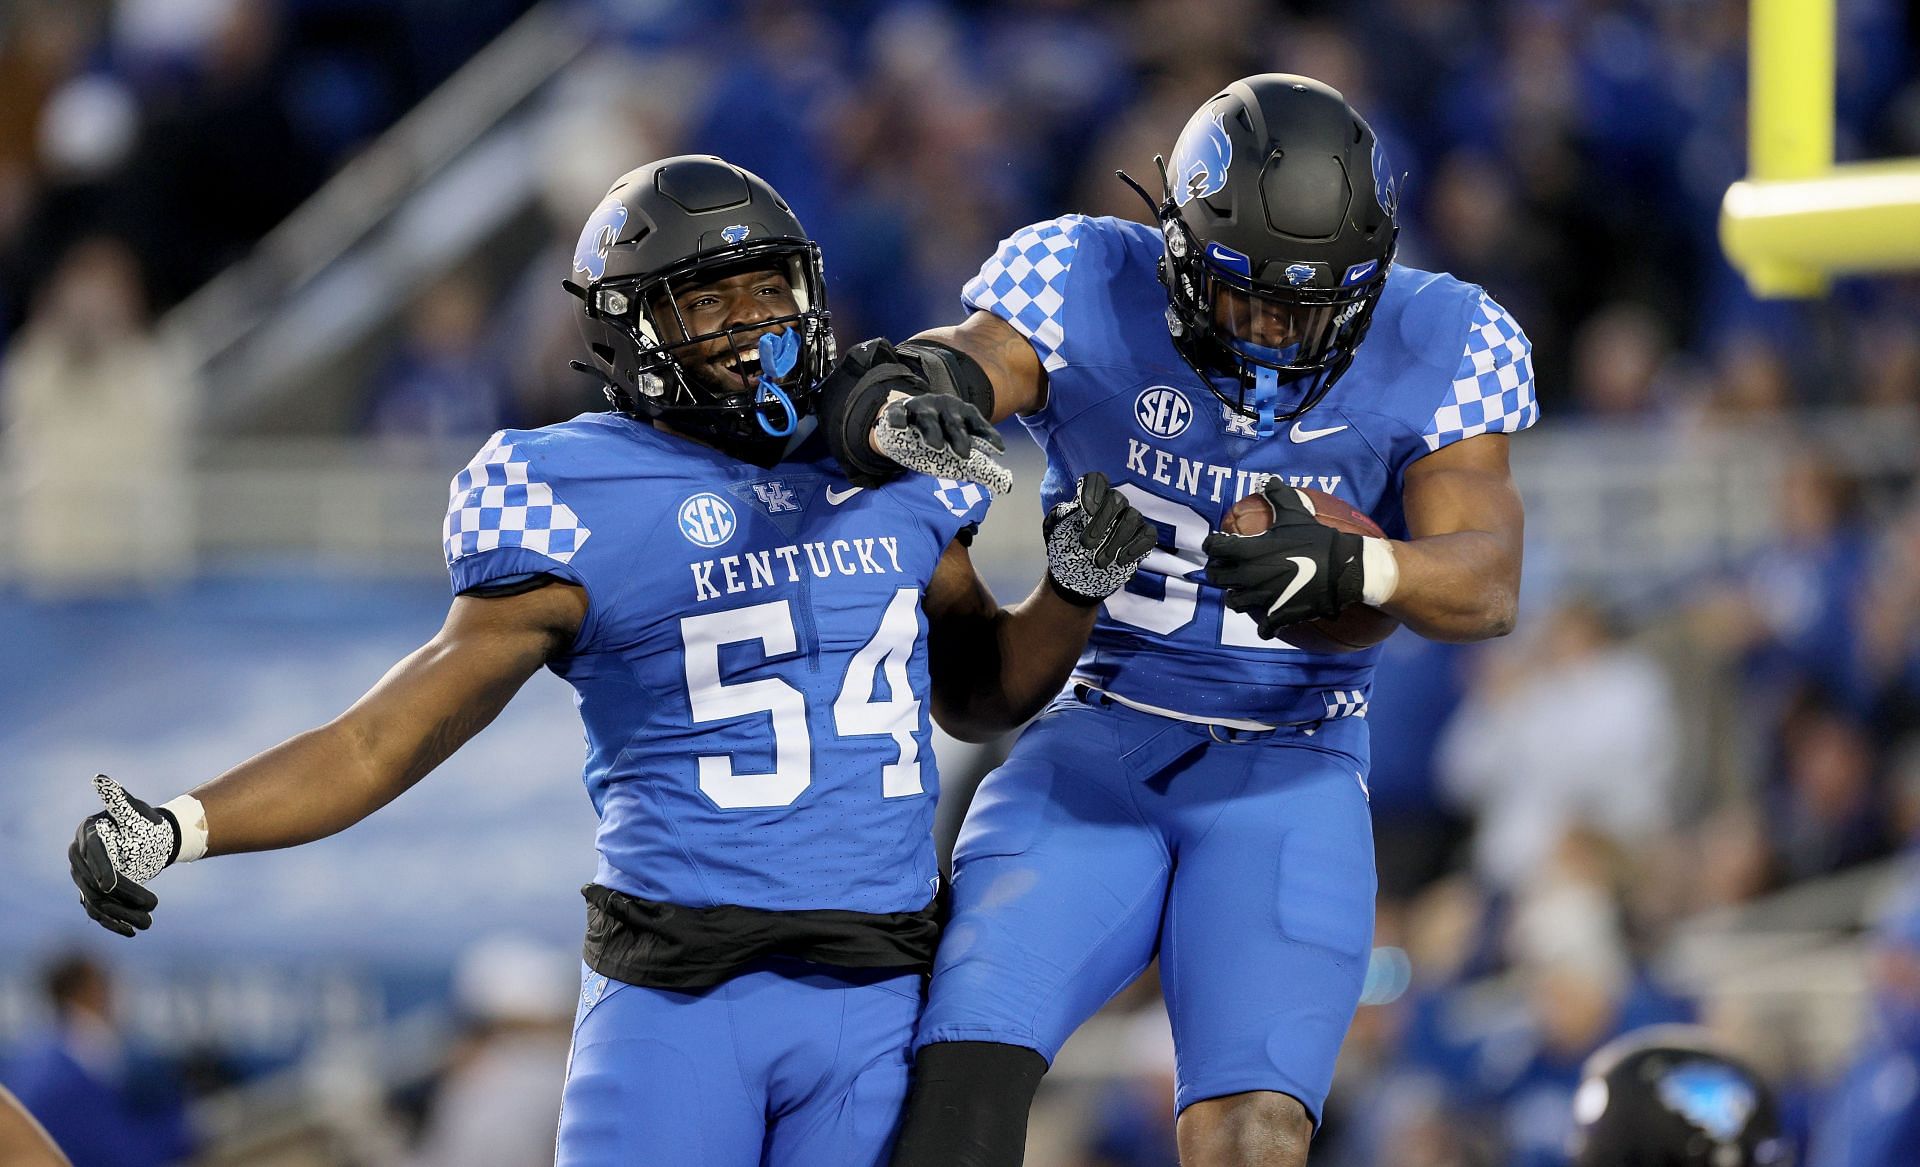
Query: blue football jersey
x,y
752,669
1441,362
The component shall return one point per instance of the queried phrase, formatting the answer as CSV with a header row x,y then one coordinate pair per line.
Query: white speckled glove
x,y
119,849
1095,542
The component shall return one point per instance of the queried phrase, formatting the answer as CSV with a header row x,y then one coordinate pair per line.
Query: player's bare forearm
x,y
1019,380
425,708
993,668
1460,571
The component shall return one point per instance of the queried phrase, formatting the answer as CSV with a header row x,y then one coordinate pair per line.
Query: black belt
x,y
666,946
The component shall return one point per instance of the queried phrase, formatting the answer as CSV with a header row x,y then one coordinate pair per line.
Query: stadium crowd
x,y
1549,809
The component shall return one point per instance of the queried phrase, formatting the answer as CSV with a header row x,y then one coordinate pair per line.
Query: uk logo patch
x,y
1237,424
598,237
775,497
1299,274
1200,159
735,233
1162,411
707,520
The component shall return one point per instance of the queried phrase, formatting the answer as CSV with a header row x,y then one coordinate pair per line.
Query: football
x,y
1360,626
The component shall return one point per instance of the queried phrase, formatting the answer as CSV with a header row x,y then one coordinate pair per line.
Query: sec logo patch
x,y
1162,411
707,520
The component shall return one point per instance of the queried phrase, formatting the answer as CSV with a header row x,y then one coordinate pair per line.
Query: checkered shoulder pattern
x,y
1025,284
497,502
1492,391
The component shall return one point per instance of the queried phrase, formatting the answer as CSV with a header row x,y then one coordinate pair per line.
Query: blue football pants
x,y
781,1066
1112,836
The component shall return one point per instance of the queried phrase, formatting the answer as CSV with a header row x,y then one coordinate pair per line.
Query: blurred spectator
x,y
1751,376
41,44
443,380
1803,593
103,1103
1873,1118
1825,815
1133,1121
1417,685
1890,620
1619,355
1575,727
96,412
498,1104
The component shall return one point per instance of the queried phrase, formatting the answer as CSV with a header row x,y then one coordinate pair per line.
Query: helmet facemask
x,y
704,378
1282,347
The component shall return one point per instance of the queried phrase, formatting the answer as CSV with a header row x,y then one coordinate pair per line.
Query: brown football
x,y
1360,626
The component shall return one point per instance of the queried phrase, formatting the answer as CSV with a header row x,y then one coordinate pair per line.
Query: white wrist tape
x,y
1379,571
192,818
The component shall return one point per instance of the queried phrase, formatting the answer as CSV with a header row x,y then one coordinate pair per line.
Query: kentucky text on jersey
x,y
752,668
1184,475
754,570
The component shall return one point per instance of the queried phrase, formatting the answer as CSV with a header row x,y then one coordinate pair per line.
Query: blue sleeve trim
x,y
1025,283
1492,391
499,501
504,565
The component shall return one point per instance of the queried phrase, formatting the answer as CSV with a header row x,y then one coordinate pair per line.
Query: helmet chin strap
x,y
1266,400
779,352
1266,386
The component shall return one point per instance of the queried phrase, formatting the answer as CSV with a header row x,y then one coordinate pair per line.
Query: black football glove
x,y
116,851
1095,542
930,432
1298,570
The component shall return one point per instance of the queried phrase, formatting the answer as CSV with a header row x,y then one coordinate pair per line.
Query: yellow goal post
x,y
1798,219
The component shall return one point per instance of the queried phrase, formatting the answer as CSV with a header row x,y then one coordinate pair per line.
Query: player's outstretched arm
x,y
1004,358
885,410
327,779
992,668
925,405
1459,574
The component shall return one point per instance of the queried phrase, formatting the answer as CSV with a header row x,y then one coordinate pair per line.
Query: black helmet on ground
x,y
1279,215
1663,1097
660,264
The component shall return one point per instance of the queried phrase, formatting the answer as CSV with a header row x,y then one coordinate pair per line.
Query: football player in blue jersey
x,y
757,643
1200,792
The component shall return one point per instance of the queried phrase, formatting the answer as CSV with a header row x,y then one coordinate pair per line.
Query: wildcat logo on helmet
x,y
1299,274
1386,189
735,233
597,238
1200,159
1711,1097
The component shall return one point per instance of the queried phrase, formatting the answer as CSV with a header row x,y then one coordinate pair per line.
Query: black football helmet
x,y
1662,1097
687,221
1279,212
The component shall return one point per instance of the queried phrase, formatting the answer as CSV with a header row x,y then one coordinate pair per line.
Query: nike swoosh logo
x,y
1299,435
836,497
1306,568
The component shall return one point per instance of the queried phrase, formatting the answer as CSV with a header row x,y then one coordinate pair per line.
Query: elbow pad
x,y
948,370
